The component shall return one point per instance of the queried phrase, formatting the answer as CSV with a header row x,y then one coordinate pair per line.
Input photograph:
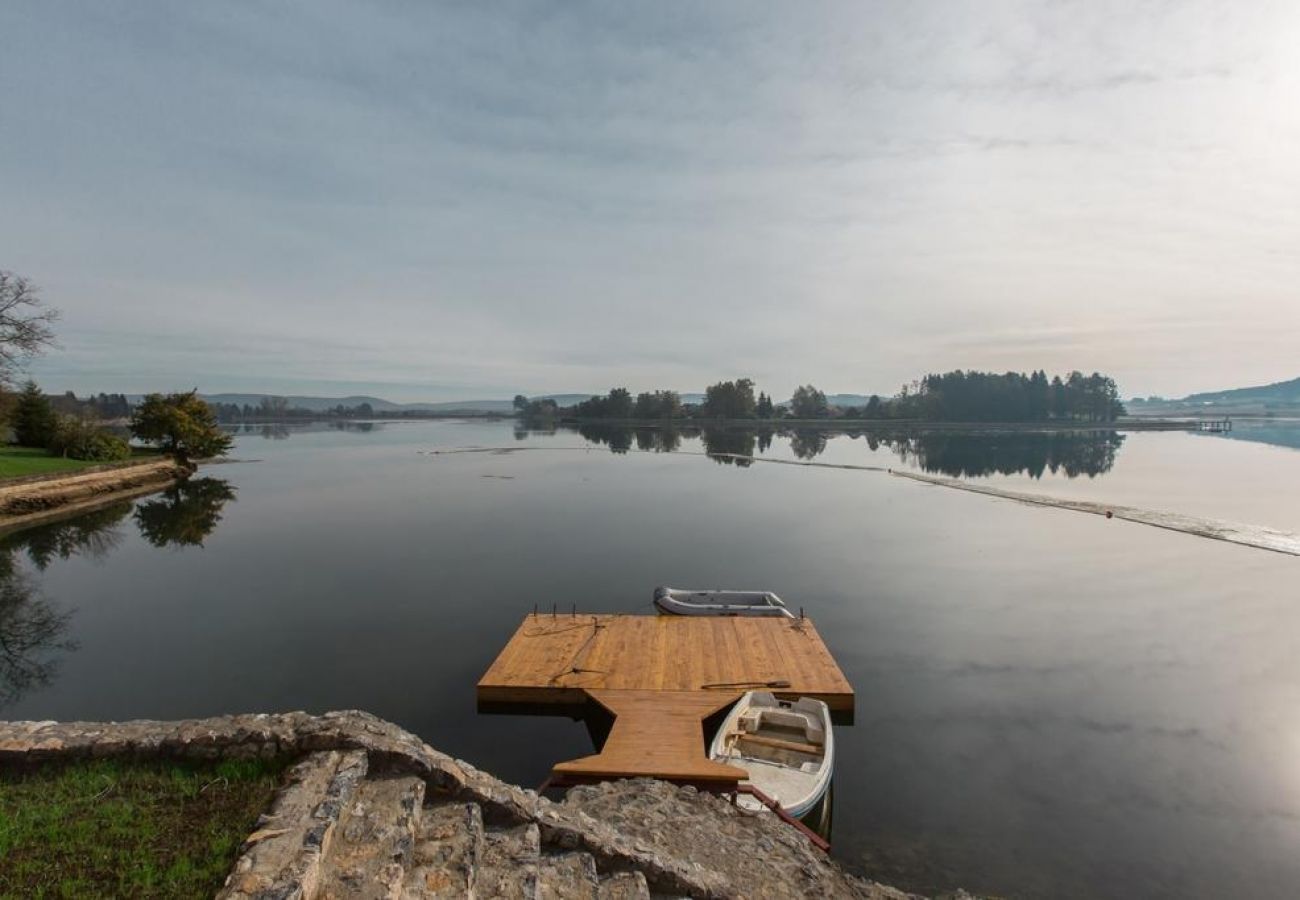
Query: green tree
x,y
1057,394
1040,399
180,424
619,404
730,399
34,420
657,405
763,408
809,403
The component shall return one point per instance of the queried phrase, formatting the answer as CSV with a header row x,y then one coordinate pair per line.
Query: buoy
x,y
1109,514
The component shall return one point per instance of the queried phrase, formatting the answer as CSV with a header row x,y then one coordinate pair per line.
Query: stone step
x,y
284,856
448,845
508,866
374,841
567,875
623,886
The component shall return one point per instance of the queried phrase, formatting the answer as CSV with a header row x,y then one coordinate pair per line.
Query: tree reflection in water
x,y
184,515
94,534
807,443
955,453
33,633
33,629
730,446
1071,453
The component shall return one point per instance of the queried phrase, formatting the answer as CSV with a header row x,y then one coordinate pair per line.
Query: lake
x,y
1049,704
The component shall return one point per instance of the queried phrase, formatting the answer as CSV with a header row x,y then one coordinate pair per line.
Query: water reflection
x,y
279,431
34,629
960,454
658,440
1284,433
617,437
807,443
184,515
351,425
94,534
730,446
33,634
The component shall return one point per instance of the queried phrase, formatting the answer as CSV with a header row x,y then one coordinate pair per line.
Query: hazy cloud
x,y
437,201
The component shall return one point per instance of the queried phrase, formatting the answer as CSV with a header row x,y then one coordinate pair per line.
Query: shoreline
x,y
39,499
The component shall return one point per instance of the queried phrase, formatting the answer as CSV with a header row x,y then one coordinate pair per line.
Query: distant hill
x,y
1266,399
1278,392
848,399
380,405
315,404
842,400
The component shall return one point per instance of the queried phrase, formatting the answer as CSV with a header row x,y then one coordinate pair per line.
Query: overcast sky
x,y
446,201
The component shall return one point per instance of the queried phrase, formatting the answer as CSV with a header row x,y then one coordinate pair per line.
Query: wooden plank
x,y
764,741
667,653
656,734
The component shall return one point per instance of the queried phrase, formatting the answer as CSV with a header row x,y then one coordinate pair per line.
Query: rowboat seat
x,y
754,721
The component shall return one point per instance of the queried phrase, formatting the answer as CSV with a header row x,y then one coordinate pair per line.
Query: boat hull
x,y
675,602
786,746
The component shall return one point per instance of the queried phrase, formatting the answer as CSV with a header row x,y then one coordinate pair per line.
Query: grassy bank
x,y
17,462
124,829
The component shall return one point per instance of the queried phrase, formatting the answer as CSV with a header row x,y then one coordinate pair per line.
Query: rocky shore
x,y
369,810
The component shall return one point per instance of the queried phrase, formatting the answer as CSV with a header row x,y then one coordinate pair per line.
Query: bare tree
x,y
26,324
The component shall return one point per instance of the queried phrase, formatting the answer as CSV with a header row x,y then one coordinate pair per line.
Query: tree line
x,y
1014,397
181,425
278,408
957,396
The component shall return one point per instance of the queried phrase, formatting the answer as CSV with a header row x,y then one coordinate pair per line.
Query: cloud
x,y
489,198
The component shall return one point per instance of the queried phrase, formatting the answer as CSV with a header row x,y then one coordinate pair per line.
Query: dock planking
x,y
656,733
558,659
660,676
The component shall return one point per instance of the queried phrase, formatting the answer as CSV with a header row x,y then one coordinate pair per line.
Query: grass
x,y
125,829
16,462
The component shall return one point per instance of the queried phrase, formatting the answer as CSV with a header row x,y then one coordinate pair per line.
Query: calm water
x,y
1049,704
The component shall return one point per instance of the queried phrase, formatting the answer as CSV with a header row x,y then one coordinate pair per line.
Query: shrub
x,y
78,439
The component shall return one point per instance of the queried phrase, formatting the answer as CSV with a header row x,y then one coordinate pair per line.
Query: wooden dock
x,y
660,677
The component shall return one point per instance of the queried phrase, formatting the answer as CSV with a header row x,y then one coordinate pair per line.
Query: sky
x,y
438,201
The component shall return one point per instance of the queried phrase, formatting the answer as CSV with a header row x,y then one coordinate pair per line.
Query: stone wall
x,y
678,840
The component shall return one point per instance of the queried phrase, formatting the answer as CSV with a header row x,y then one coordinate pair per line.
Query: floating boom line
x,y
1256,536
1234,533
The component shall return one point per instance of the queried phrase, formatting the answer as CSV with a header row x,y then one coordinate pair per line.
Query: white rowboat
x,y
719,603
786,746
